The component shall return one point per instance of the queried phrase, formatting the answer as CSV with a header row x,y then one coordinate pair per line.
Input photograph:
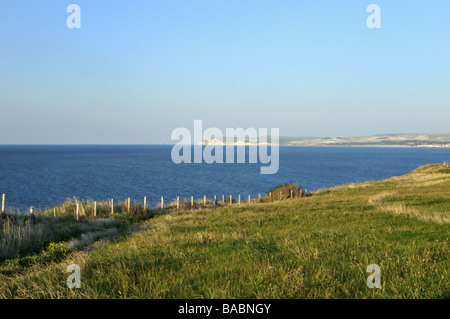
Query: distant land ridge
x,y
379,140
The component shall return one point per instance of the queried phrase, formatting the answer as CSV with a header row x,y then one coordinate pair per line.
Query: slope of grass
x,y
311,247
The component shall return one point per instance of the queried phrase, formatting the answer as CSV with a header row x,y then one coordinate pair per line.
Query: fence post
x,y
259,196
54,212
204,200
162,202
239,199
231,200
192,202
78,212
128,205
223,199
112,206
215,200
145,202
178,202
270,196
249,198
292,194
280,195
31,218
95,209
3,203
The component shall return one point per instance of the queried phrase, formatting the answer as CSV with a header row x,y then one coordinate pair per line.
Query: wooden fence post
x,y
145,202
280,195
162,202
249,198
178,202
31,218
192,202
270,196
259,196
292,193
54,212
239,199
112,206
215,200
128,205
3,203
231,200
223,199
204,200
78,212
95,209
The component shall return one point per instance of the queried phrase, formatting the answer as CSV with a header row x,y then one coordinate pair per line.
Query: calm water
x,y
43,176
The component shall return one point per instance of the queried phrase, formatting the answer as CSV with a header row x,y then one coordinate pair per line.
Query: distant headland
x,y
438,140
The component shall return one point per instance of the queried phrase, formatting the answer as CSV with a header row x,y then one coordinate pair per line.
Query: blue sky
x,y
136,70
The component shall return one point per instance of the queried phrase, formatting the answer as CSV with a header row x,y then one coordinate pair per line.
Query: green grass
x,y
311,247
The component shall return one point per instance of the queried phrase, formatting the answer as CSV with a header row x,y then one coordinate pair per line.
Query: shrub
x,y
58,249
284,191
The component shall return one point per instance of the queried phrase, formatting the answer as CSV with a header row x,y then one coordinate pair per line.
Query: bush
x,y
284,191
58,249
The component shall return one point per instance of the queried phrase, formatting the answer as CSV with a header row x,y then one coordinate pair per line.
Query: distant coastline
x,y
427,140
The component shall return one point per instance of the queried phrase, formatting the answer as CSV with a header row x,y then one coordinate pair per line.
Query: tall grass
x,y
19,237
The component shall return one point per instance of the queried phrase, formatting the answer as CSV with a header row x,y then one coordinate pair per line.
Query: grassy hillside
x,y
310,247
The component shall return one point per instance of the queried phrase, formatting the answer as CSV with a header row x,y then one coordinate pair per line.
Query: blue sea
x,y
43,176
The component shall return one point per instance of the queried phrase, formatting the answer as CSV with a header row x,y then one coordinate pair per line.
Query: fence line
x,y
162,206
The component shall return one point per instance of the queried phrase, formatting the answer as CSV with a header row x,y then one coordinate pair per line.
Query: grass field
x,y
310,247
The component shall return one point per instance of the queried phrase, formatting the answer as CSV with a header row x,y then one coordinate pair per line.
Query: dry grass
x,y
402,209
430,180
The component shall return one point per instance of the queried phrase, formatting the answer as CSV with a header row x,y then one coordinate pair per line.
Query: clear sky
x,y
136,70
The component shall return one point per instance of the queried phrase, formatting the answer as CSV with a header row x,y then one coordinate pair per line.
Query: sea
x,y
46,175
